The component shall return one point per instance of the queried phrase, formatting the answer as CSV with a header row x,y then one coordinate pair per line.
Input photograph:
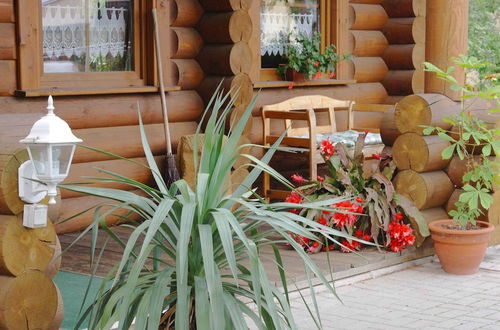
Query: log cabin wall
x,y
108,122
405,33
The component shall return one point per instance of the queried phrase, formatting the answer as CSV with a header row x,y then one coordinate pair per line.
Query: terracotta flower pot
x,y
292,75
460,251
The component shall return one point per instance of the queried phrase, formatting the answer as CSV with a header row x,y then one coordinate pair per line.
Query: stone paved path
x,y
421,297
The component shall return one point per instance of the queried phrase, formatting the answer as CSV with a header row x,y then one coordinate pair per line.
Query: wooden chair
x,y
303,109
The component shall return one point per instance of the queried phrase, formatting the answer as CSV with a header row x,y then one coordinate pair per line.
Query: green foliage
x,y
304,56
484,33
195,257
472,136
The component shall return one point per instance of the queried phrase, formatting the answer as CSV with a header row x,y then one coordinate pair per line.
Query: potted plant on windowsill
x,y
306,61
461,242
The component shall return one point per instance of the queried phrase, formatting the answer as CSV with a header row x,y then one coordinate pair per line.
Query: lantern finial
x,y
50,106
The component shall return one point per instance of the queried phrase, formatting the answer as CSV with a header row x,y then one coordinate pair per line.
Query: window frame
x,y
33,81
333,17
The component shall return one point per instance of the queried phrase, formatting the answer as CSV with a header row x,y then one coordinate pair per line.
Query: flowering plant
x,y
304,56
371,211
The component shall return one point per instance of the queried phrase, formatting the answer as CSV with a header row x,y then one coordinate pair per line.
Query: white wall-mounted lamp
x,y
51,146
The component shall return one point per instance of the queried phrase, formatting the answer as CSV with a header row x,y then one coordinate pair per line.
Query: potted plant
x,y
306,61
461,242
198,262
375,212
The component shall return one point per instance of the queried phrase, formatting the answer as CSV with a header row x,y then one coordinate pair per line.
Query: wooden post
x,y
446,37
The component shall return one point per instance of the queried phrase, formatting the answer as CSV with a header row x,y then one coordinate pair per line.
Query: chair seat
x,y
349,138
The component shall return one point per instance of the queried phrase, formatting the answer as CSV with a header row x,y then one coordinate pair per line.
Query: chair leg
x,y
266,185
313,167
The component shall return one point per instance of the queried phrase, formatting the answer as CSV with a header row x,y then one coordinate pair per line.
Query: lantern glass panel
x,y
61,158
39,156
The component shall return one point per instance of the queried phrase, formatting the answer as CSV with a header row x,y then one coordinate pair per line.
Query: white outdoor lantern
x,y
51,146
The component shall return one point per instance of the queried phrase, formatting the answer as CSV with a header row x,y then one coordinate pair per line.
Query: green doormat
x,y
72,287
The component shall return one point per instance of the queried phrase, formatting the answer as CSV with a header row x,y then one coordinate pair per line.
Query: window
x,y
282,20
80,45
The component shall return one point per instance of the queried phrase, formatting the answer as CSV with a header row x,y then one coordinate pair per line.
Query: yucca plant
x,y
197,264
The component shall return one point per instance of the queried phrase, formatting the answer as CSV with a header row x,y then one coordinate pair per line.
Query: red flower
x,y
317,75
359,199
342,219
315,245
395,246
398,216
298,179
316,64
366,131
347,247
323,221
294,198
320,178
331,75
290,86
359,233
367,237
376,156
326,148
401,235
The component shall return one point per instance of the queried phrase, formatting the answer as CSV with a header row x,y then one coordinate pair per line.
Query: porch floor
x,y
343,265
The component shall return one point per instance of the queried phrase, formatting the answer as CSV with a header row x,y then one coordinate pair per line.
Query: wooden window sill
x,y
319,82
92,91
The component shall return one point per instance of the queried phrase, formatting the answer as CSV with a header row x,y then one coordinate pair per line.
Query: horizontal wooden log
x,y
369,69
494,211
419,153
457,168
7,41
399,30
24,248
388,130
436,213
366,17
226,27
28,301
226,60
126,168
423,109
185,42
126,141
399,57
72,207
8,83
450,205
398,8
426,190
7,11
398,82
367,43
187,73
225,5
239,84
185,13
87,111
393,99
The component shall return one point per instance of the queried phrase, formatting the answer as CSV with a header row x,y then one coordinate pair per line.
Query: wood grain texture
x,y
399,57
58,318
55,262
446,37
24,248
388,129
126,141
494,211
8,81
28,301
10,203
369,69
187,73
398,82
226,27
398,8
185,42
368,43
7,41
419,153
229,59
185,13
423,109
7,11
399,30
426,190
87,111
239,84
367,17
225,5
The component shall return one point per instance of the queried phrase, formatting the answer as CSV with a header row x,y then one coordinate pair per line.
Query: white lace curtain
x,y
278,25
64,30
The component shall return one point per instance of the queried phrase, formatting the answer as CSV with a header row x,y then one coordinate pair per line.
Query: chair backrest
x,y
318,103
